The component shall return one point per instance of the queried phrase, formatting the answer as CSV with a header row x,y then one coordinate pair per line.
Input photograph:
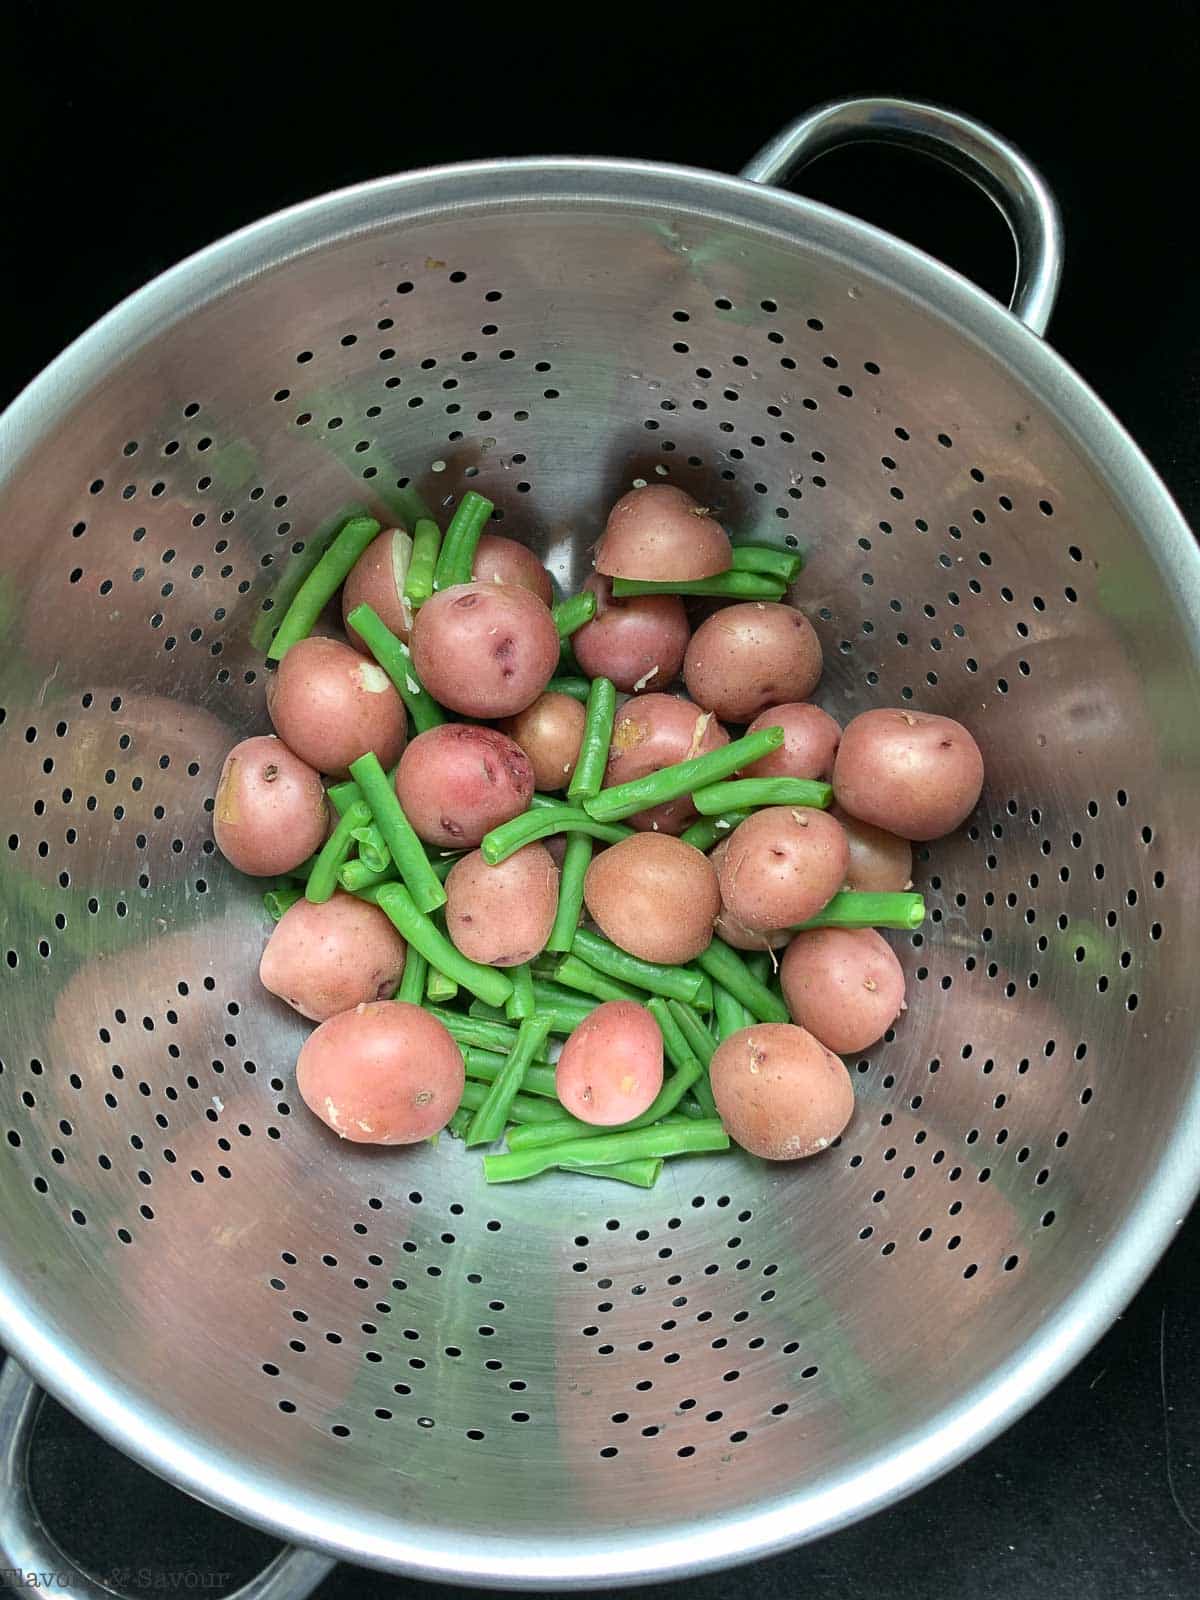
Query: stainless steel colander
x,y
567,1383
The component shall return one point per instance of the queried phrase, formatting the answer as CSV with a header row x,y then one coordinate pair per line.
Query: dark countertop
x,y
130,144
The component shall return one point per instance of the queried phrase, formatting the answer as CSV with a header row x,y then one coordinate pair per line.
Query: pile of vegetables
x,y
499,837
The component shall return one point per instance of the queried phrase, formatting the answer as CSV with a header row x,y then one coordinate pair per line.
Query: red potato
x,y
500,560
270,812
730,929
656,731
330,706
880,862
611,1066
377,579
910,772
750,656
502,915
327,958
639,643
810,741
456,783
384,1073
844,985
661,533
485,649
550,732
782,865
780,1093
654,896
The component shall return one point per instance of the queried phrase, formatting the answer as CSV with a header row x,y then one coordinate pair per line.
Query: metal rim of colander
x,y
978,1415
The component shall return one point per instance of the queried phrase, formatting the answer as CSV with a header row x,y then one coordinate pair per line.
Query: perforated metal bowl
x,y
566,1383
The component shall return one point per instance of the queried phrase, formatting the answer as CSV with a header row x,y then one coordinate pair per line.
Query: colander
x,y
566,1383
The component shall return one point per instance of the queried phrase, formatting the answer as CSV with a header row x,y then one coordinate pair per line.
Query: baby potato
x,y
502,915
456,782
270,812
780,1093
910,772
485,649
384,1073
730,929
880,862
639,643
844,985
782,865
661,533
377,579
654,896
656,731
611,1066
550,732
810,741
750,656
327,958
330,706
500,560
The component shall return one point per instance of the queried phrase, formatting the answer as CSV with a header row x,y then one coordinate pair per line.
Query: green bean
x,y
704,995
742,794
577,858
410,859
460,1122
488,1122
569,1127
568,666
544,802
457,555
669,783
445,865
675,1046
706,831
725,966
438,987
486,1013
592,760
412,982
525,1109
784,566
570,615
474,1034
341,795
670,1139
849,910
396,660
762,964
279,899
576,974
565,1015
356,876
678,983
322,584
427,540
334,852
510,837
731,1014
304,871
644,1173
700,1042
372,851
521,1003
486,1064
555,997
486,982
577,688
731,585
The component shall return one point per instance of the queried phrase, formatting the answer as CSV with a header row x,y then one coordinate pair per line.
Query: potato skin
x,y
810,741
780,1093
384,1073
330,706
502,915
611,1066
782,865
270,811
844,985
654,896
639,643
730,929
372,582
485,649
549,731
750,656
661,533
656,731
880,862
456,782
500,560
323,959
909,772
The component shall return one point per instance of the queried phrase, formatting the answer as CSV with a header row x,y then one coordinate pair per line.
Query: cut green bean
x,y
488,1122
457,555
569,1127
568,666
356,877
544,802
731,585
473,1033
372,851
725,966
731,1014
341,795
577,688
396,660
784,566
460,1122
526,1110
592,760
743,794
334,853
487,1064
669,783
438,987
852,910
700,1042
322,584
704,995
677,983
281,898
427,541
643,1174
410,859
487,982
486,1013
304,871
521,1003
675,1046
669,1139
576,974
577,858
443,866
707,831
762,963
510,837
412,981
571,614
556,997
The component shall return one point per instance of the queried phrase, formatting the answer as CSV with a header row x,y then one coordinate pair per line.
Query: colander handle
x,y
1014,185
26,1547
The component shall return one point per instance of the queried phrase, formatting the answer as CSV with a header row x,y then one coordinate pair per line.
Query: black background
x,y
132,135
